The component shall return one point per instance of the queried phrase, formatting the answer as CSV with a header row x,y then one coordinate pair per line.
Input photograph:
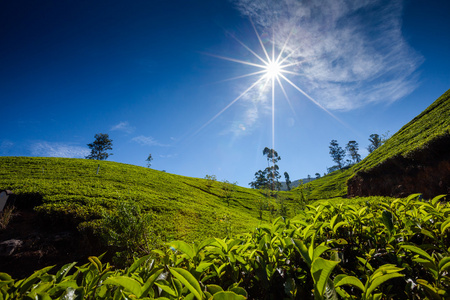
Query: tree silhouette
x,y
99,147
149,160
337,153
375,142
352,149
288,181
260,180
272,171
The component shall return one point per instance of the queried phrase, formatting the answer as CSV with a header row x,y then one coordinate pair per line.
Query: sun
x,y
273,69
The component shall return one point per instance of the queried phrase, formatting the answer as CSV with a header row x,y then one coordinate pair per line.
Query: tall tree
x,y
317,175
272,172
149,160
272,155
273,176
352,149
260,181
375,142
100,147
337,153
288,181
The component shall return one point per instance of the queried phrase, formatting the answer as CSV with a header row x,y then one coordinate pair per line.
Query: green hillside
x,y
329,186
69,190
432,123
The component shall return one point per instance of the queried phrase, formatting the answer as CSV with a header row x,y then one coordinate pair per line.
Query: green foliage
x,y
337,153
269,178
432,123
329,186
375,142
352,148
149,160
131,231
381,249
100,147
68,192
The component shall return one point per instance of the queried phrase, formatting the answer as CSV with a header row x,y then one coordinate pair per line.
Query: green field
x,y
181,207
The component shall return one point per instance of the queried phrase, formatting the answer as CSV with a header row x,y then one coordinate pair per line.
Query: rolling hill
x,y
65,199
415,159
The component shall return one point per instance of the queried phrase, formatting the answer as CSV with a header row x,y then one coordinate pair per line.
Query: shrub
x,y
128,229
6,216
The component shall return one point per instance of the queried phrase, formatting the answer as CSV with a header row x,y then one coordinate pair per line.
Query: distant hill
x,y
295,183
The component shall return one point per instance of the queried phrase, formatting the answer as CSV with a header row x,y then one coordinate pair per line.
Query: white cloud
x,y
49,149
147,141
123,126
353,52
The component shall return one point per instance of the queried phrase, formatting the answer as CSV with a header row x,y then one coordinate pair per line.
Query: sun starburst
x,y
273,70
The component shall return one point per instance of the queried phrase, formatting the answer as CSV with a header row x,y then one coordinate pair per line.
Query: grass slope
x,y
432,123
181,207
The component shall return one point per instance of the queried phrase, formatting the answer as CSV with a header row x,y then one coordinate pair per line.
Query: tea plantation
x,y
383,249
186,238
71,191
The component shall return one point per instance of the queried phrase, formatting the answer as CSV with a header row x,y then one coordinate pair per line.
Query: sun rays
x,y
272,68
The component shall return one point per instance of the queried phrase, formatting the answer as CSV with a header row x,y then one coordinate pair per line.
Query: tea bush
x,y
383,249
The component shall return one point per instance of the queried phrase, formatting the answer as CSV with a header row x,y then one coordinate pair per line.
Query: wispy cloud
x,y
147,141
6,146
352,52
254,105
123,126
168,155
51,149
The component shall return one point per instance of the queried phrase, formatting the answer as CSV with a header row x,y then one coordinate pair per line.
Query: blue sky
x,y
152,75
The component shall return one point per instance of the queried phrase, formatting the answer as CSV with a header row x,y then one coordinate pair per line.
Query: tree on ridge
x,y
352,149
375,142
149,160
100,147
337,153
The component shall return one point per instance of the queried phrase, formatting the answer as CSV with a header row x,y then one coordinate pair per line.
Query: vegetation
x,y
69,191
381,249
100,147
433,123
204,239
352,148
375,142
337,153
149,160
5,216
269,178
287,180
